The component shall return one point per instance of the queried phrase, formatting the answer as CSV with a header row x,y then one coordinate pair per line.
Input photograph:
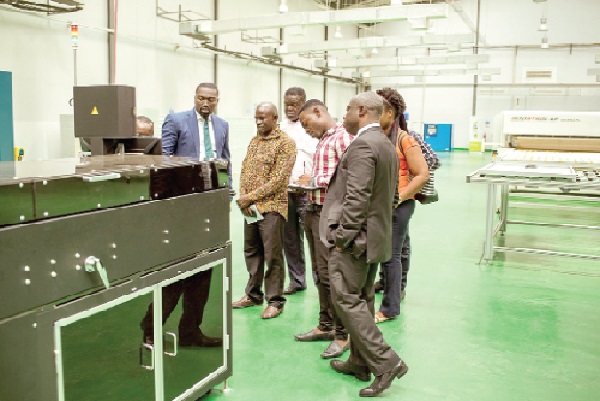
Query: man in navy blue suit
x,y
200,134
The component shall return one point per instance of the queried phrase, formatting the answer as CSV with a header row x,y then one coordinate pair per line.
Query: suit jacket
x,y
357,214
180,136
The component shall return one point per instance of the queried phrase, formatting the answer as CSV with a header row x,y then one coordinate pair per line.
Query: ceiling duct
x,y
375,41
314,18
403,61
49,6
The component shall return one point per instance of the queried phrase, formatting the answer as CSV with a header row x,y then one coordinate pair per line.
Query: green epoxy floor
x,y
520,328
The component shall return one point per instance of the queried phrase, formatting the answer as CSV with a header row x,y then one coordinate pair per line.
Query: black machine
x,y
105,120
86,246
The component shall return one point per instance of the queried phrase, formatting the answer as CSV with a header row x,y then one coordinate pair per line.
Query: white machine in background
x,y
555,152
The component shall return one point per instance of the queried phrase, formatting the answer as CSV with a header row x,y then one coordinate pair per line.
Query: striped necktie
x,y
208,151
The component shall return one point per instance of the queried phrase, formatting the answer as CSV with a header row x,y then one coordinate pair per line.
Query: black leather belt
x,y
314,208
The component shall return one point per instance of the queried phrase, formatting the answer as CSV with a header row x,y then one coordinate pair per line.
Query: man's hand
x,y
247,212
244,202
303,180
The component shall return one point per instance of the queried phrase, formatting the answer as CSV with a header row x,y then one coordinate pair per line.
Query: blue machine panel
x,y
6,117
438,136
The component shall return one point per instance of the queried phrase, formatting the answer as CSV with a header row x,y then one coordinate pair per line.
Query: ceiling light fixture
x,y
418,24
374,50
543,24
283,8
454,47
338,32
545,42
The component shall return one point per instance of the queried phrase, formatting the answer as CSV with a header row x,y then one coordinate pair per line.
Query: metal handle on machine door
x,y
174,353
151,348
92,263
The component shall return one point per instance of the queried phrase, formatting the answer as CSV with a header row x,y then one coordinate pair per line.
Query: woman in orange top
x,y
412,177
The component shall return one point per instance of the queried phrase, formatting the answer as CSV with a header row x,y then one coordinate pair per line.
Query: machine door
x,y
190,361
99,355
113,345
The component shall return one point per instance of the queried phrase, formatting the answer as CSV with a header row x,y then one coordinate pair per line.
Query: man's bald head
x,y
266,118
364,108
372,103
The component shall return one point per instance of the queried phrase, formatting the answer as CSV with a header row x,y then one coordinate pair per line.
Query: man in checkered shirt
x,y
333,141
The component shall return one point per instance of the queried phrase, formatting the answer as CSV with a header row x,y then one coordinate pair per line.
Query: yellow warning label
x,y
95,110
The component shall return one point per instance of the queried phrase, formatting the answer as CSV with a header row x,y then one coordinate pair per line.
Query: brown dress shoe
x,y
315,335
360,372
244,302
271,311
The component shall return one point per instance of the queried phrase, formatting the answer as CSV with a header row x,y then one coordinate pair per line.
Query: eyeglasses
x,y
211,99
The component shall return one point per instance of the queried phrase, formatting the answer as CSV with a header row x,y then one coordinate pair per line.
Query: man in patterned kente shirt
x,y
263,183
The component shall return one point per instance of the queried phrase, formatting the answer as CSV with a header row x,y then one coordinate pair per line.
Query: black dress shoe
x,y
315,336
201,341
384,381
347,368
292,290
335,350
378,287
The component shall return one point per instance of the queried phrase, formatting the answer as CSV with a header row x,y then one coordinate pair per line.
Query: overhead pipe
x,y
313,18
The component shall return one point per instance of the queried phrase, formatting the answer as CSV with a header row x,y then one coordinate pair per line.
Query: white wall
x,y
38,52
505,24
165,67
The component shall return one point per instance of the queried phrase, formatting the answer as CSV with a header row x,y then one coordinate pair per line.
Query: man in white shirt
x,y
293,240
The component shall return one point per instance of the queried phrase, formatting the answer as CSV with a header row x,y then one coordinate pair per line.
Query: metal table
x,y
500,176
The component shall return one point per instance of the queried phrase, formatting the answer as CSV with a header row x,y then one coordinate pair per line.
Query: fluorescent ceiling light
x,y
418,24
338,32
454,47
283,8
330,17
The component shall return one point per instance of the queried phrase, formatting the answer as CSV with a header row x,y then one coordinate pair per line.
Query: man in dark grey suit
x,y
356,224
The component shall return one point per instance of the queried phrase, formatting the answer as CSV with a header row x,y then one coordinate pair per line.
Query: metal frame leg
x,y
504,191
489,222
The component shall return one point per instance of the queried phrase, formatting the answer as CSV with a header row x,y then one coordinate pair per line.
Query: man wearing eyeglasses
x,y
198,133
